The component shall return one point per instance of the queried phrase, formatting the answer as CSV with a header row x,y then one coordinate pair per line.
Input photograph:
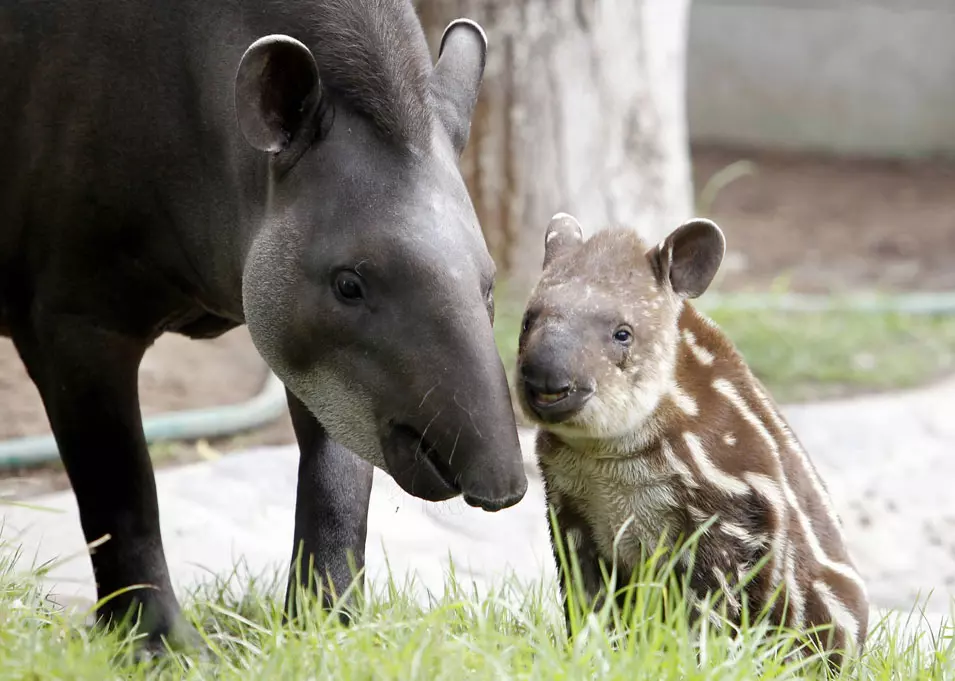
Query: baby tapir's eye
x,y
623,335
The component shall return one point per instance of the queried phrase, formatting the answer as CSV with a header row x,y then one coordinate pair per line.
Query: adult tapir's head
x,y
368,286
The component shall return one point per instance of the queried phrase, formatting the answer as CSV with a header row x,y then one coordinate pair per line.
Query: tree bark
x,y
582,110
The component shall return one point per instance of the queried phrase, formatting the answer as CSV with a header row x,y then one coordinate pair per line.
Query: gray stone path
x,y
888,460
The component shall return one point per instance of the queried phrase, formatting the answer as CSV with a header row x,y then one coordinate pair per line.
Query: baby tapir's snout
x,y
552,378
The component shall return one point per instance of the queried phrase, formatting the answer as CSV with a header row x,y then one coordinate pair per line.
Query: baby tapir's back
x,y
741,462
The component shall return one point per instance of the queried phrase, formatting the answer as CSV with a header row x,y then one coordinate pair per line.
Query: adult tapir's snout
x,y
460,435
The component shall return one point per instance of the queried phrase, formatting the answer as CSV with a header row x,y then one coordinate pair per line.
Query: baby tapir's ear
x,y
688,259
563,236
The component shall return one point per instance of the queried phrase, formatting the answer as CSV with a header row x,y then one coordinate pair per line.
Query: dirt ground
x,y
176,374
834,225
827,225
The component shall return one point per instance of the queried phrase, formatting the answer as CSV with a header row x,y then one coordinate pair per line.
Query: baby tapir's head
x,y
599,337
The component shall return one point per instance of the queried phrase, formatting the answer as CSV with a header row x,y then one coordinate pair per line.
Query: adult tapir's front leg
x,y
87,377
331,511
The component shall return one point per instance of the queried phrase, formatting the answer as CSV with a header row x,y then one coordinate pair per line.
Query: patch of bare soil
x,y
176,374
833,225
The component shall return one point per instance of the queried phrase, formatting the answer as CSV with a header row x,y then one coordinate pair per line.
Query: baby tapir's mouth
x,y
549,399
554,406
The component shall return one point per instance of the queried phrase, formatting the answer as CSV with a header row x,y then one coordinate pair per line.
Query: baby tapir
x,y
648,417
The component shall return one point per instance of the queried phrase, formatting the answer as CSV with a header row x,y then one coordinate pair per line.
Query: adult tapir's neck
x,y
381,81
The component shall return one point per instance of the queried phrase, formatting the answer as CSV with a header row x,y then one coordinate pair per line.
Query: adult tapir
x,y
193,165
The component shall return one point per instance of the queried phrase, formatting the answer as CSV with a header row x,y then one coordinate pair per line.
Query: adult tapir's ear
x,y
688,259
276,86
563,236
456,79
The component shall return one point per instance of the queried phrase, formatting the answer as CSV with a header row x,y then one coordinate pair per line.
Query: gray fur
x,y
152,185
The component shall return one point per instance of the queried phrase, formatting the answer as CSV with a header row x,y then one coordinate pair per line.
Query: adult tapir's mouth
x,y
416,465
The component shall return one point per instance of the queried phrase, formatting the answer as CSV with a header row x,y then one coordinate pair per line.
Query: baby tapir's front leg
x,y
576,544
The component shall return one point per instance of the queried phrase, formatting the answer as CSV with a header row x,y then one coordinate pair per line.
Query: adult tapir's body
x,y
162,175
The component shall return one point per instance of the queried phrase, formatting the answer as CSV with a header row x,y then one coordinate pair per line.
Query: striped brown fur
x,y
670,429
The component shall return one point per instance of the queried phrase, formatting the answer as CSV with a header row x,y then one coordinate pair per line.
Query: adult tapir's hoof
x,y
159,628
183,639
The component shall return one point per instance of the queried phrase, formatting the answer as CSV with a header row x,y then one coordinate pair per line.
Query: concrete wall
x,y
871,77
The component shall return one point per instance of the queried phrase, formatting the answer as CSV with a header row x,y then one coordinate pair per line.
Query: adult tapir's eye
x,y
348,287
623,335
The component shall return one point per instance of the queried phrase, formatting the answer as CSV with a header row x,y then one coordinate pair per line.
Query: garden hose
x,y
269,404
193,424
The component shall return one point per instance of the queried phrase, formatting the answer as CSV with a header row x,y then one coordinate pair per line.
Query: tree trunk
x,y
582,110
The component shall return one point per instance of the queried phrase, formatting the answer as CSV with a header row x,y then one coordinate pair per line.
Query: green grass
x,y
512,633
803,356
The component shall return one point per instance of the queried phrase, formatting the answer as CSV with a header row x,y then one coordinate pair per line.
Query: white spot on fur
x,y
767,488
839,612
706,320
729,440
739,533
574,538
702,355
550,237
797,601
725,588
716,477
678,465
815,547
735,531
684,402
726,389
793,445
